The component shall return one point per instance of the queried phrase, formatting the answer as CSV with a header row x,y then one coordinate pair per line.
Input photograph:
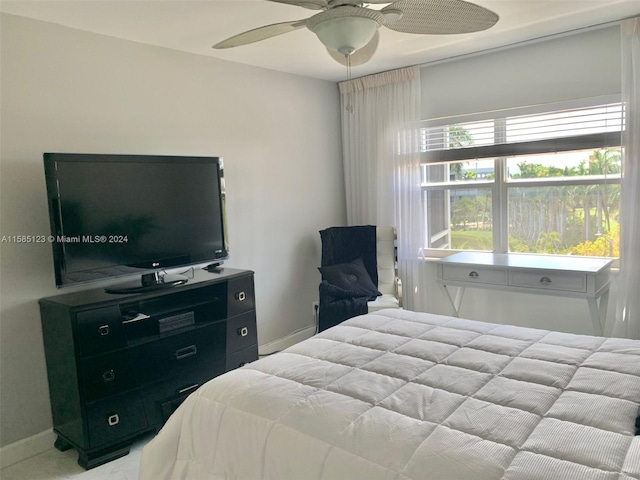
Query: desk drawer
x,y
495,276
570,282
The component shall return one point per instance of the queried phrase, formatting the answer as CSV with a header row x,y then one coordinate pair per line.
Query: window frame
x,y
500,151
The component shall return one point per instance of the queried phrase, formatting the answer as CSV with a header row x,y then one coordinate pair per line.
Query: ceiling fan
x,y
349,29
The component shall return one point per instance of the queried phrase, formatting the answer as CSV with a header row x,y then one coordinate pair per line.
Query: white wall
x,y
560,69
70,91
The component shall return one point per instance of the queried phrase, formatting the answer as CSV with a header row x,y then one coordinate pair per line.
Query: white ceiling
x,y
195,25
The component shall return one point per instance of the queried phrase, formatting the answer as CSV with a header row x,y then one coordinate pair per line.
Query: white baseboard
x,y
286,342
26,448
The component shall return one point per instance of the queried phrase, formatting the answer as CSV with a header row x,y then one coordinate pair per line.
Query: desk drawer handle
x,y
103,330
240,296
186,352
243,332
109,376
474,274
545,280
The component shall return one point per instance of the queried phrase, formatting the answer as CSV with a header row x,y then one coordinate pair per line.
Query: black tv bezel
x,y
147,269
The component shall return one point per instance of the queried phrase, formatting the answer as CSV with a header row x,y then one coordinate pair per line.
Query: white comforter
x,y
404,395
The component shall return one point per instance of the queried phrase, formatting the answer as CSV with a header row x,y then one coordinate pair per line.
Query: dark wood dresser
x,y
119,365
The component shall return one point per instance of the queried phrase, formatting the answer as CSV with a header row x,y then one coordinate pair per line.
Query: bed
x,y
403,395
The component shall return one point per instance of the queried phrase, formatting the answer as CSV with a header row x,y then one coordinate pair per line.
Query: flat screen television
x,y
119,215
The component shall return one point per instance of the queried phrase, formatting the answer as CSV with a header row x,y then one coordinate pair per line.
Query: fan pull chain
x,y
349,107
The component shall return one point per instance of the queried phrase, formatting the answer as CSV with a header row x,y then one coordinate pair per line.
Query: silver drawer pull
x,y
240,296
109,376
113,420
545,280
103,330
474,274
186,352
187,389
243,332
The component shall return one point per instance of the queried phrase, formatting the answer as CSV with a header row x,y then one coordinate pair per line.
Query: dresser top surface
x,y
94,295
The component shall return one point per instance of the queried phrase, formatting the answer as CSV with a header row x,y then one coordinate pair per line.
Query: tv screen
x,y
116,215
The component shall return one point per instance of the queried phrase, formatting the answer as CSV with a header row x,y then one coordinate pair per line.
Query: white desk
x,y
575,277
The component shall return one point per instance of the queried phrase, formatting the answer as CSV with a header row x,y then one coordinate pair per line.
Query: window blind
x,y
587,127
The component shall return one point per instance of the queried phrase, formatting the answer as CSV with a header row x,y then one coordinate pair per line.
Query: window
x,y
541,183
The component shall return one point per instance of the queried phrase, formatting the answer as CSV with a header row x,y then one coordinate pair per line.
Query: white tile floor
x,y
55,465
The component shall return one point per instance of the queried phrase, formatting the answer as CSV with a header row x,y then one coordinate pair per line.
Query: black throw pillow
x,y
352,276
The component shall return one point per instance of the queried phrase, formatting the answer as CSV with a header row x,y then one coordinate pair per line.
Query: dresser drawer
x,y
100,330
106,375
241,332
494,276
571,282
115,419
242,357
178,353
240,296
163,397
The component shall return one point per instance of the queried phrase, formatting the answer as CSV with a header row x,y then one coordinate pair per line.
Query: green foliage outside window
x,y
562,219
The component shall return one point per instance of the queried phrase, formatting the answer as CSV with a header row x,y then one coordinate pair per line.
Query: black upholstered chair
x,y
358,273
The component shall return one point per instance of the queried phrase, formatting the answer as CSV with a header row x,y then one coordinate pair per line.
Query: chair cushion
x,y
350,276
384,301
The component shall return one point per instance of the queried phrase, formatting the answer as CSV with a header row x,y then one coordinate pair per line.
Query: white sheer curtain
x,y
380,115
628,291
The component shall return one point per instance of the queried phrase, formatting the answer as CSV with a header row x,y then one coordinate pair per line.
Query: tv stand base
x,y
214,268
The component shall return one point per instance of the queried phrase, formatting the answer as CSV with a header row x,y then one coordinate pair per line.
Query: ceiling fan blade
x,y
310,4
261,33
360,56
440,17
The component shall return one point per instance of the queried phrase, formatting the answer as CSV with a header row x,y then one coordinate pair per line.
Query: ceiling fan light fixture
x,y
346,29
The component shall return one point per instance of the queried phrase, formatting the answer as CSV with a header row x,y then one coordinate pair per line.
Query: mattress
x,y
404,395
